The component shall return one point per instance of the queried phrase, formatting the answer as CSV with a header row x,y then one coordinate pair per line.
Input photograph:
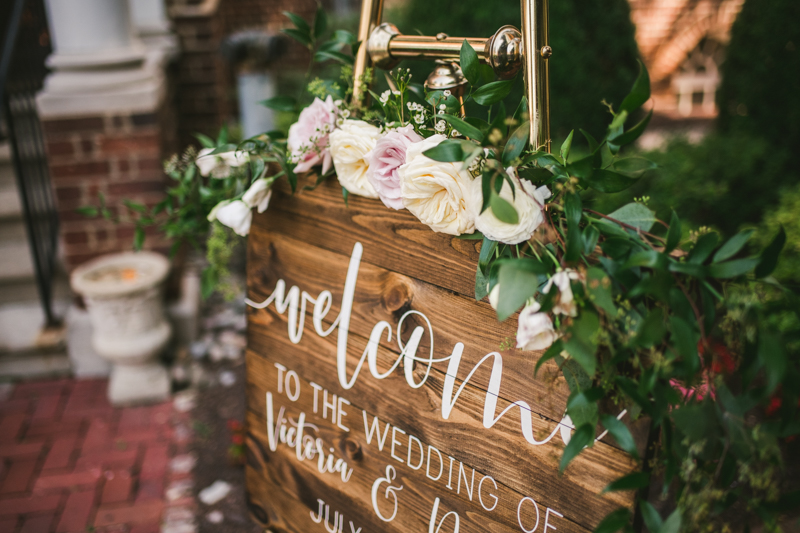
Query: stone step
x,y
16,263
10,205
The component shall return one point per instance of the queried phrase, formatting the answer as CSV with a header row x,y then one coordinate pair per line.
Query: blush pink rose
x,y
387,156
308,137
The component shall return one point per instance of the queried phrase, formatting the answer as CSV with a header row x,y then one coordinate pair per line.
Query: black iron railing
x,y
22,72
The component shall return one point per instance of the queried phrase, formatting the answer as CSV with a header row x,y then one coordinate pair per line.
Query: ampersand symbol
x,y
390,475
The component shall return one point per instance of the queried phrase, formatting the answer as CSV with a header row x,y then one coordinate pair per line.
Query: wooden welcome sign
x,y
383,398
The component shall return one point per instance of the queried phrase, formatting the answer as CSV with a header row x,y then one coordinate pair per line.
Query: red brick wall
x,y
118,156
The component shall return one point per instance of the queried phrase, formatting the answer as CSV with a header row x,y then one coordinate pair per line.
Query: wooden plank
x,y
284,473
406,246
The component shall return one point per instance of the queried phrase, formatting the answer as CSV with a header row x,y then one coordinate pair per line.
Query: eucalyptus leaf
x,y
769,257
651,517
703,248
448,151
673,234
566,145
623,138
503,210
280,103
519,280
320,22
324,55
608,181
635,214
463,127
302,37
633,481
298,22
621,434
673,523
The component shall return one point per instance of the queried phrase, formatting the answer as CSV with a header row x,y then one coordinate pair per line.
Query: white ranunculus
x,y
258,194
566,303
351,145
435,192
220,165
534,329
236,215
528,202
494,296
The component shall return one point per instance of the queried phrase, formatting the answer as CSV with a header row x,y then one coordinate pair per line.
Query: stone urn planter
x,y
125,300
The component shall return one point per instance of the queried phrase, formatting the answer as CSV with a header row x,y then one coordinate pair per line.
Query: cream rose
x,y
566,302
351,146
526,199
534,329
436,193
219,165
258,194
235,214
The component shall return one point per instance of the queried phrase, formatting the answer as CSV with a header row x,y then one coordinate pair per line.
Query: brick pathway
x,y
72,463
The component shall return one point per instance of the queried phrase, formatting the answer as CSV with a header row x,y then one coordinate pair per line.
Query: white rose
x,y
494,296
436,193
528,202
258,194
220,165
350,147
235,214
566,302
534,329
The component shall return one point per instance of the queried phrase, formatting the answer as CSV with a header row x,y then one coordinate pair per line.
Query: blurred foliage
x,y
761,74
594,51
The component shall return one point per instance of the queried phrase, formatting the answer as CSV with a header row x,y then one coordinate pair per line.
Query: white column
x,y
152,25
99,64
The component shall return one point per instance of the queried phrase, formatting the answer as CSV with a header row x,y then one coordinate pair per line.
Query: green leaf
x,y
346,196
607,181
633,167
621,139
324,55
732,269
470,63
698,271
651,330
621,434
299,36
519,280
134,206
481,285
651,517
581,343
614,521
598,285
573,208
582,437
584,167
502,210
769,257
88,211
772,354
633,481
636,215
205,140
320,22
280,103
491,93
565,147
488,247
448,151
733,246
640,93
463,127
554,350
645,258
138,238
673,234
516,144
593,146
582,406
673,523
298,22
344,37
705,245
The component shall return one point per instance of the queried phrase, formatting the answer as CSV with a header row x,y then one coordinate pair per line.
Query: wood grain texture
x,y
306,240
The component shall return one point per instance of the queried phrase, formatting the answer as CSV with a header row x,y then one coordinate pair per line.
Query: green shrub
x,y
761,74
